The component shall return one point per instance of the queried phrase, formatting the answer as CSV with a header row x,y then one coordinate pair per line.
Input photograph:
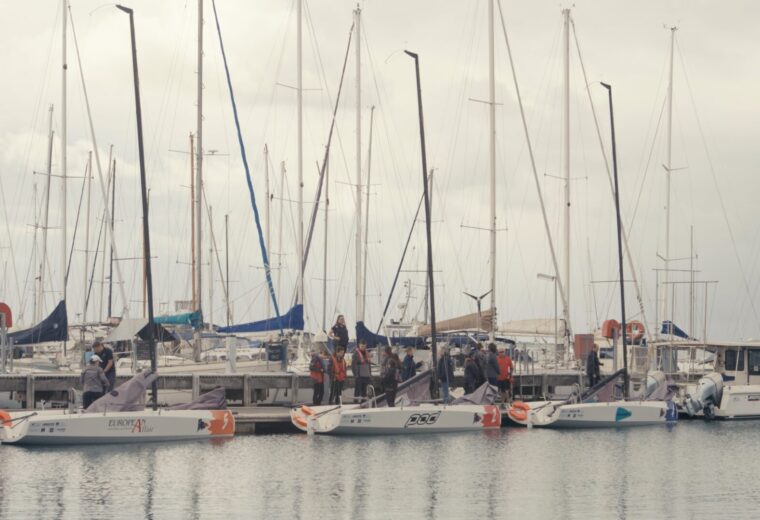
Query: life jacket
x,y
339,369
505,366
317,370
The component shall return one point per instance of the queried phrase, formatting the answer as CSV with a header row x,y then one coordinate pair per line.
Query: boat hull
x,y
616,414
408,420
55,428
739,402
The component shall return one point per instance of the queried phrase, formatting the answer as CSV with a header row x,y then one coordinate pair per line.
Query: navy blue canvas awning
x,y
293,319
53,328
373,340
668,327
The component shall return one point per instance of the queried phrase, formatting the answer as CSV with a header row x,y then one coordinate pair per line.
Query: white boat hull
x,y
615,414
53,427
739,402
425,418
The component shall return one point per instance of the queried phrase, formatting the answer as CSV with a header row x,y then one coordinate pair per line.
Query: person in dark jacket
x,y
592,366
409,367
472,374
482,360
390,379
445,373
492,365
317,373
94,382
339,333
361,369
106,363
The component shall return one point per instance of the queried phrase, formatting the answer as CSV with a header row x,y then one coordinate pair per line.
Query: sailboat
x,y
118,417
412,412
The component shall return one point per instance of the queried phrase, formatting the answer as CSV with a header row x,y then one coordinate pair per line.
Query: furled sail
x,y
373,340
53,328
469,321
293,319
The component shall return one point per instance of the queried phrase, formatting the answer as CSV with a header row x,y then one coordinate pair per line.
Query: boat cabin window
x,y
734,361
754,362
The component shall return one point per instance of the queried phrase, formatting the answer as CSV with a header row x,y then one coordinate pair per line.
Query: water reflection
x,y
693,470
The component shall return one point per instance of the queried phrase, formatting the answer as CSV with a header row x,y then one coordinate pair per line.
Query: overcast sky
x,y
715,127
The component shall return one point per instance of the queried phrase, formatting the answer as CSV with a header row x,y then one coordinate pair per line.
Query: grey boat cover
x,y
414,389
484,394
213,400
126,397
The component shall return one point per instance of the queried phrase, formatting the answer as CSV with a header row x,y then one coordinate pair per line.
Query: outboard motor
x,y
657,386
707,396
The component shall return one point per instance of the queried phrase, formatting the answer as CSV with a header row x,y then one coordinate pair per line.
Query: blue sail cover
x,y
53,328
193,319
668,327
373,340
293,319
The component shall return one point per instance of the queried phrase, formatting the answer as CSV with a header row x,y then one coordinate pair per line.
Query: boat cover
x,y
668,327
373,340
414,389
293,320
213,400
129,328
125,397
467,322
194,319
484,394
53,328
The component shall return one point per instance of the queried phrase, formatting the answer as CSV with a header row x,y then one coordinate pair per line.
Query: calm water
x,y
693,470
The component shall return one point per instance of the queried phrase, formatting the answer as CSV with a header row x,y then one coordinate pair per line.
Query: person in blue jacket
x,y
409,366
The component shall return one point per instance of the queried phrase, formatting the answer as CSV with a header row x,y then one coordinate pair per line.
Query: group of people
x,y
492,366
99,374
480,366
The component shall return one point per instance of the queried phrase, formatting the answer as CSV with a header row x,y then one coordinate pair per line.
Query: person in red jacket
x,y
317,373
504,379
339,369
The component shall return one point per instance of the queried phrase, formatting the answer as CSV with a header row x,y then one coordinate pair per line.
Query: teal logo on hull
x,y
621,413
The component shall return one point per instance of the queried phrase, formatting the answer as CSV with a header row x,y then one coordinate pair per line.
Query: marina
x,y
349,259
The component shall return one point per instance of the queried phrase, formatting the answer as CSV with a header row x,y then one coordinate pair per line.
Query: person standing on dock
x,y
327,365
361,369
592,366
94,382
472,374
481,360
492,365
505,376
106,363
390,379
409,367
339,333
317,373
445,373
338,367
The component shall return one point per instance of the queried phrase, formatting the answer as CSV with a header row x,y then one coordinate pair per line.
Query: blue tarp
x,y
53,328
676,330
194,319
372,339
293,319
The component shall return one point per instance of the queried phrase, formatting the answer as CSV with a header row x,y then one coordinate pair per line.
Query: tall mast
x,y
668,170
227,267
88,180
359,300
199,179
426,303
268,231
492,157
103,255
366,220
43,259
324,259
279,231
193,275
299,253
110,261
210,303
64,161
566,153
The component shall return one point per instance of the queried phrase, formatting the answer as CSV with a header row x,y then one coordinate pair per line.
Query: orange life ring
x,y
5,418
519,411
634,330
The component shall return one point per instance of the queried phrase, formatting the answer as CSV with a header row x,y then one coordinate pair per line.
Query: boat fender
x,y
5,418
306,410
519,411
